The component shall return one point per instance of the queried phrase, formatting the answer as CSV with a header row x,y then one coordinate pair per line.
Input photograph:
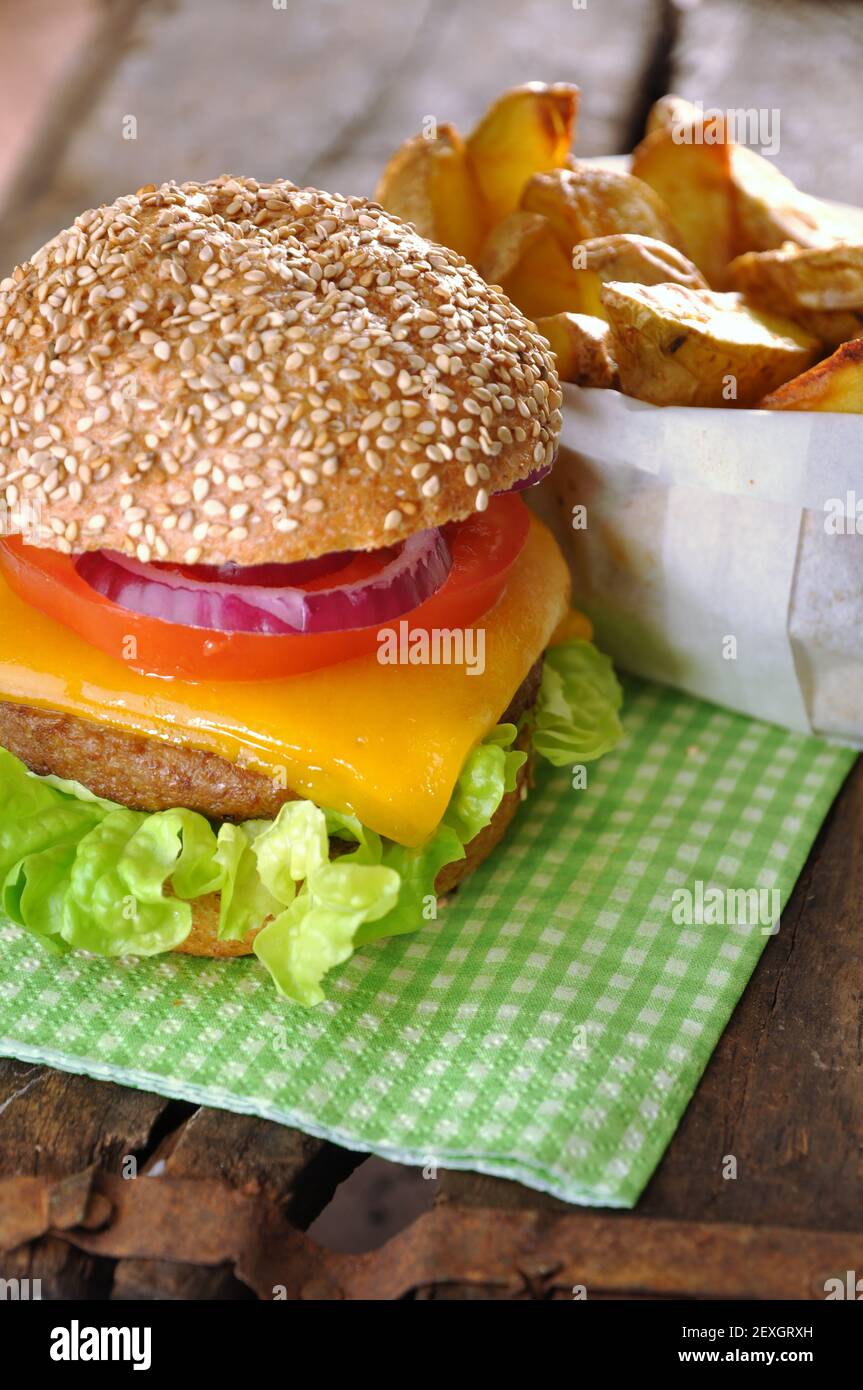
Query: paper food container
x,y
720,551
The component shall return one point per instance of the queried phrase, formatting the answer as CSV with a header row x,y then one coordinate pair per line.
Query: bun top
x,y
235,371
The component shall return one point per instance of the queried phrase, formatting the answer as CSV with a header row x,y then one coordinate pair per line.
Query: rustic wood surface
x,y
319,93
53,1124
323,93
803,60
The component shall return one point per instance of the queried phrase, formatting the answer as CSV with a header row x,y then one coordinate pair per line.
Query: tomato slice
x,y
484,549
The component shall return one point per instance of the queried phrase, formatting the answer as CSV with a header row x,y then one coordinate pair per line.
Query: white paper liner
x,y
710,525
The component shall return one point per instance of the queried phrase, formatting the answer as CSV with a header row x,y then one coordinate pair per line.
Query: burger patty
x,y
149,775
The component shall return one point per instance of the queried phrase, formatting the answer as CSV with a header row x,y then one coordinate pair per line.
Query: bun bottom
x,y
203,939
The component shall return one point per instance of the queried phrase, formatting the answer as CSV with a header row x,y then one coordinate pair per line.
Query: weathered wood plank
x,y
39,67
804,60
528,1253
323,93
296,1171
54,1124
608,50
55,58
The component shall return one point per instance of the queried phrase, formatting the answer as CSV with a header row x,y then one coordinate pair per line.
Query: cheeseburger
x,y
279,636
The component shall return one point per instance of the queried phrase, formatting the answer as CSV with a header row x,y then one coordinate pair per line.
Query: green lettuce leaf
x,y
116,902
82,872
489,772
292,848
35,886
92,875
246,900
77,790
576,719
39,836
369,845
417,870
319,929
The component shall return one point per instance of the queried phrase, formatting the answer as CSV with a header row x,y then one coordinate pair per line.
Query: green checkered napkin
x,y
551,1026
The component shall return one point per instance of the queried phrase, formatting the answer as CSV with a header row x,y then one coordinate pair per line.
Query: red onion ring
x,y
271,576
417,571
268,598
532,478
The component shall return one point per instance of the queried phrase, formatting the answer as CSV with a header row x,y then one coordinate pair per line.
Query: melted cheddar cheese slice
x,y
383,742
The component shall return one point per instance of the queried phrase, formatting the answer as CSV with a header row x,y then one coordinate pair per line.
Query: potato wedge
x,y
591,201
641,259
668,111
676,346
835,384
769,209
726,198
526,131
793,279
673,111
694,182
432,184
821,289
582,348
832,327
524,257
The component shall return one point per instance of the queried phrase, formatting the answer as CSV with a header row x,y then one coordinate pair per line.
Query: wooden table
x,y
322,94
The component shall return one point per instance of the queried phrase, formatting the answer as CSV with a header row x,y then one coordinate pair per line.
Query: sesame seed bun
x,y
234,371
